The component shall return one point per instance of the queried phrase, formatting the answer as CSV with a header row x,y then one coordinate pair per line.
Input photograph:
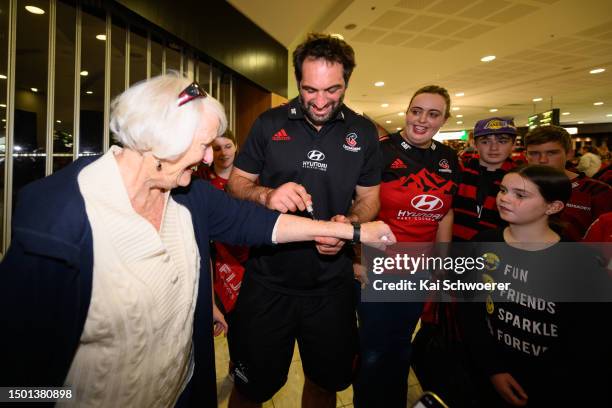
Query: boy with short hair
x,y
551,146
474,205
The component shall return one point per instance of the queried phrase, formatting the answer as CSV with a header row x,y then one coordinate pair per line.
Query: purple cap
x,y
494,126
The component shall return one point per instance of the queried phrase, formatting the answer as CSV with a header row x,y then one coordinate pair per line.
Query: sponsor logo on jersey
x,y
281,135
316,155
427,202
315,161
418,216
578,207
398,164
351,143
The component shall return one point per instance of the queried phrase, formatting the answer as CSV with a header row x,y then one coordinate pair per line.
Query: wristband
x,y
356,232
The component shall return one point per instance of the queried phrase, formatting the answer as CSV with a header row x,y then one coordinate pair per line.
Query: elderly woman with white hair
x,y
106,286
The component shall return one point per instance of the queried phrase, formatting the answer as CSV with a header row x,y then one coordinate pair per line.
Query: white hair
x,y
147,118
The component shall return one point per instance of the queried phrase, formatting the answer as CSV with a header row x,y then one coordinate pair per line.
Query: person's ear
x,y
554,207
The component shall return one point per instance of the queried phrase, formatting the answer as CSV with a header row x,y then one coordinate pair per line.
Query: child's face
x,y
224,152
519,200
549,154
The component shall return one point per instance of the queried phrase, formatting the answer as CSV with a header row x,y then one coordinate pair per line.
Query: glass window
x,y
138,55
216,82
29,149
203,75
118,34
91,127
4,23
63,124
157,51
225,93
173,58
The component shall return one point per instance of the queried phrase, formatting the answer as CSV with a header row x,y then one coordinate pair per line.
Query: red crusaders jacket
x,y
590,198
417,187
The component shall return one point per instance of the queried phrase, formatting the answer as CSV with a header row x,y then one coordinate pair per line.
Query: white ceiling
x,y
544,48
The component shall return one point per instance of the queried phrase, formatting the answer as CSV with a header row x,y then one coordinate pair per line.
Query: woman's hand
x,y
377,234
219,323
510,390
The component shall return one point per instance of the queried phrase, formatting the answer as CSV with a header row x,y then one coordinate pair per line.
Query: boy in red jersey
x,y
551,145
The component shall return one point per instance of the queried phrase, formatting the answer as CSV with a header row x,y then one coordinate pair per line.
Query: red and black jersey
x,y
208,173
417,187
604,174
600,230
474,205
590,199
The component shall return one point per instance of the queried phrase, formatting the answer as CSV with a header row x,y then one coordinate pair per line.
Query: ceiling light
x,y
536,99
89,92
338,36
398,128
350,26
58,121
4,120
488,58
493,110
456,108
387,121
459,116
384,105
379,83
35,10
401,113
460,122
101,37
565,113
2,105
580,122
597,71
84,73
460,94
598,103
609,115
2,76
34,89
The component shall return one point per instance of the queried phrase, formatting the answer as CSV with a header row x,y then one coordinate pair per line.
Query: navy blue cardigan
x,y
46,276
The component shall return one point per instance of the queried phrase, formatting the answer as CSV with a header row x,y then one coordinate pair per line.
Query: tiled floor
x,y
291,394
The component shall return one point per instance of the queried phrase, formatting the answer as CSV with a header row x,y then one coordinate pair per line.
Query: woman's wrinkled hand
x,y
377,234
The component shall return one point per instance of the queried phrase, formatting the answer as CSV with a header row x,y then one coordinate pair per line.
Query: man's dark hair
x,y
329,48
545,134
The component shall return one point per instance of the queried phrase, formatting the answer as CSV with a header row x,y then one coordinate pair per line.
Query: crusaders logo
x,y
350,144
351,139
444,164
427,202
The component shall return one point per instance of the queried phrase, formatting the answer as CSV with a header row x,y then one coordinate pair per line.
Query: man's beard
x,y
321,120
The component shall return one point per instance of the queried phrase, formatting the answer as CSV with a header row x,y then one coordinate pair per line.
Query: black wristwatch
x,y
356,233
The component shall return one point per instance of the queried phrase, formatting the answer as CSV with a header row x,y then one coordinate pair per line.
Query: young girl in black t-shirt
x,y
533,348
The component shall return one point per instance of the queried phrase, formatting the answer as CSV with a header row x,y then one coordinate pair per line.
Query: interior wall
x,y
251,101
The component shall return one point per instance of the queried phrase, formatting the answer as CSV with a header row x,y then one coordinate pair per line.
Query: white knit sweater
x,y
136,345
